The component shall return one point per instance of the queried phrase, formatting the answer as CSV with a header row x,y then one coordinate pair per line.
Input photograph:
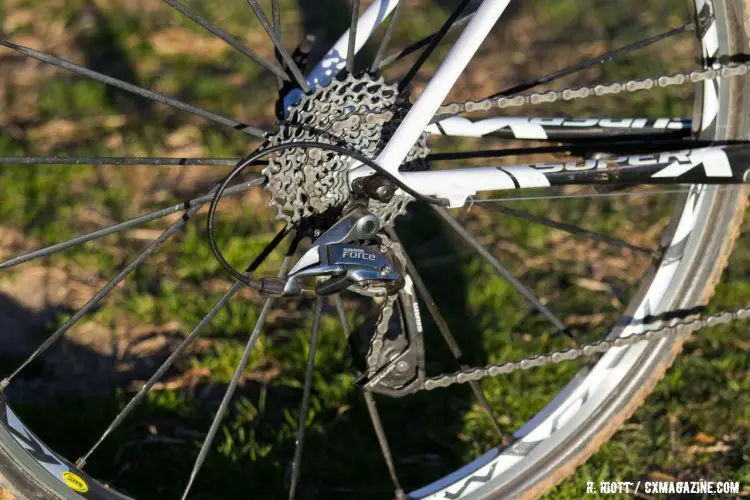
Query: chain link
x,y
575,93
377,343
684,327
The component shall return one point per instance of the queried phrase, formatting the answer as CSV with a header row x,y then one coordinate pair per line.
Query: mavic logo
x,y
357,253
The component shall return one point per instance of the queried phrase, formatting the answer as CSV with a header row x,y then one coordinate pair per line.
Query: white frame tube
x,y
335,59
420,115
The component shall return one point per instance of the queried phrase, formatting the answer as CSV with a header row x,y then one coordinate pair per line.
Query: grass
x,y
696,424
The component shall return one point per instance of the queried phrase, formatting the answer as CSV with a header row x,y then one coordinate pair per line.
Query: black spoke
x,y
300,437
434,41
117,160
372,409
502,271
140,91
571,229
232,387
383,441
594,61
296,73
229,39
339,304
584,135
500,153
422,43
450,340
137,221
616,194
93,301
352,42
228,395
651,144
276,16
375,66
159,373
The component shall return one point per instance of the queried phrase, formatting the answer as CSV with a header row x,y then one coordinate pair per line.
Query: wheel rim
x,y
699,198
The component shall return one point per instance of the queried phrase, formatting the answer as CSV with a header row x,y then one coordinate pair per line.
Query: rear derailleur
x,y
355,255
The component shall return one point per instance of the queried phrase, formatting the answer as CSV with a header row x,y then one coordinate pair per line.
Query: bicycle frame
x,y
703,165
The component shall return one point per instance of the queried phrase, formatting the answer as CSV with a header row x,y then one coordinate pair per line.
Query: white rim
x,y
587,392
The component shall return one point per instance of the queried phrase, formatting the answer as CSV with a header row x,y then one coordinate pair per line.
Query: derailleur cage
x,y
395,363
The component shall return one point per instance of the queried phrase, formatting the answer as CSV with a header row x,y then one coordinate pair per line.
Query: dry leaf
x,y
704,438
177,41
661,476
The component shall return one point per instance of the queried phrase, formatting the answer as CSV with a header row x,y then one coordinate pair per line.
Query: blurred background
x,y
695,425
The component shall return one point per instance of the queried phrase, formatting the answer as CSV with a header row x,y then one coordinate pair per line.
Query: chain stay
x,y
680,328
574,93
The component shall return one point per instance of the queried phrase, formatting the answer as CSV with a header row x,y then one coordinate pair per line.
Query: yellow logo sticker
x,y
75,482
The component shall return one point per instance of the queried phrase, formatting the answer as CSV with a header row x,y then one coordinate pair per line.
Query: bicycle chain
x,y
684,327
374,357
574,93
680,328
373,361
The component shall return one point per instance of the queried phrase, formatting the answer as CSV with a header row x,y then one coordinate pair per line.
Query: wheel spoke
x,y
383,442
339,304
302,421
371,408
229,39
571,229
434,41
229,393
187,341
450,340
276,16
594,61
352,42
137,221
478,201
93,301
652,144
375,66
129,87
116,160
296,73
502,271
422,43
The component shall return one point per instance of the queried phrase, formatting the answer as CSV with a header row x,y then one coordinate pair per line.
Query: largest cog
x,y
362,112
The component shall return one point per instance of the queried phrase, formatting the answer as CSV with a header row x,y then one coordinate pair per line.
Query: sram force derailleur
x,y
352,255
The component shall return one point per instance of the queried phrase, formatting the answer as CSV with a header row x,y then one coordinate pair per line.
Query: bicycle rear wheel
x,y
694,250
